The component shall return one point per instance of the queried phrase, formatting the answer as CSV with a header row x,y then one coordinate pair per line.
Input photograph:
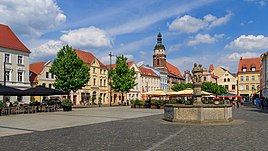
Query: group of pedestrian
x,y
237,102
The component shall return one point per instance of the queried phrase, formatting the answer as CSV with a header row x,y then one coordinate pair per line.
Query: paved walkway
x,y
27,123
138,129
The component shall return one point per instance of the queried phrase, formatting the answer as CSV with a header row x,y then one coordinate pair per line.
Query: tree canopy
x,y
70,71
179,87
123,78
213,88
206,86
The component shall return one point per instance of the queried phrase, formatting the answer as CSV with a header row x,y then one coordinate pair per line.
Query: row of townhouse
x,y
18,73
147,78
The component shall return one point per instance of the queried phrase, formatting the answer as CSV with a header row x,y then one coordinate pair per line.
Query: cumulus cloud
x,y
87,38
249,43
49,48
236,56
260,2
189,24
204,38
31,17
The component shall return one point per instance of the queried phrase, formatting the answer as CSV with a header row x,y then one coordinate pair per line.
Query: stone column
x,y
197,93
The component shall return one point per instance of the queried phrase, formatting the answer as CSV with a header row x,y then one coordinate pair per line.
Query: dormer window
x,y
253,68
244,69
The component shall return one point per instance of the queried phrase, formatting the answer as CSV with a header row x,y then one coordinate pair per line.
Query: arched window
x,y
224,80
228,79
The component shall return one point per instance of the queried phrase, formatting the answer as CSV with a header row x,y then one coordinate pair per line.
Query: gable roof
x,y
173,70
211,68
248,63
36,69
114,65
88,57
147,72
9,40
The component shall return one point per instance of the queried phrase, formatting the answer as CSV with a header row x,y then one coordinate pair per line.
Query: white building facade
x,y
14,58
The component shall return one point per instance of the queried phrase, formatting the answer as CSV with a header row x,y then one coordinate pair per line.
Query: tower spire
x,y
159,38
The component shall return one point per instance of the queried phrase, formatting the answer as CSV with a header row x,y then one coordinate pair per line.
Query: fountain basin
x,y
198,113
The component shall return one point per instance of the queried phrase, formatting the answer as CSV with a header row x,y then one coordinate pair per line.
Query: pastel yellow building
x,y
40,75
97,86
226,79
248,77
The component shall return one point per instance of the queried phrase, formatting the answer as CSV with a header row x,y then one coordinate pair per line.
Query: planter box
x,y
67,108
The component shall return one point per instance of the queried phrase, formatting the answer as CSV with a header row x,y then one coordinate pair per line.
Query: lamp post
x,y
5,72
110,78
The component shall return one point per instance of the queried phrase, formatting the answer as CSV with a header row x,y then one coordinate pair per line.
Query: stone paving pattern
x,y
145,131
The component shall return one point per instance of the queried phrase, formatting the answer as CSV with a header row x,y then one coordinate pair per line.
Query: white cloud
x,y
249,43
31,17
47,49
246,23
259,2
221,21
174,48
204,38
189,24
87,38
236,56
147,19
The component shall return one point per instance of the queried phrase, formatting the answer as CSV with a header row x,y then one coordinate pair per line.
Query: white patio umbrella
x,y
188,91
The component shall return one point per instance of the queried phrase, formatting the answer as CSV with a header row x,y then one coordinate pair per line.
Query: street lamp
x,y
110,78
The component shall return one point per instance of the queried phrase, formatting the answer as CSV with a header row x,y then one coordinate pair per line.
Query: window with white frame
x,y
241,87
241,78
20,60
253,78
20,76
7,73
247,87
7,58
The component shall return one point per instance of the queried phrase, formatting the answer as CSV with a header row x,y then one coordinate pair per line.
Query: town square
x,y
133,75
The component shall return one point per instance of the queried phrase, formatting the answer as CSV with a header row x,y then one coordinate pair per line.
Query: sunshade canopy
x,y
156,93
42,91
188,91
10,91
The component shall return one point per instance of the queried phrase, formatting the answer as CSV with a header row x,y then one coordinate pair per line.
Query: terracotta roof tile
x,y
88,57
174,70
9,40
248,63
36,69
147,72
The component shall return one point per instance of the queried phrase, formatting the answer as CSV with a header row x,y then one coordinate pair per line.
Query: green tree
x,y
70,71
213,88
123,78
179,87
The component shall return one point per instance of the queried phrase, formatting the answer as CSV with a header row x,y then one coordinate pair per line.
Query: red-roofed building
x,y
160,62
248,76
97,86
150,81
134,93
40,75
16,57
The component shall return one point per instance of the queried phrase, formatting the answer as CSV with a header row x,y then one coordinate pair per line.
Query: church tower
x,y
159,57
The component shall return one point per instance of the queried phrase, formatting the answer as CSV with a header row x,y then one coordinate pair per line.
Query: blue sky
x,y
215,32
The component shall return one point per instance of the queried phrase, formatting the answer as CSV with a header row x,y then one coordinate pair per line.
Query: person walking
x,y
237,103
261,102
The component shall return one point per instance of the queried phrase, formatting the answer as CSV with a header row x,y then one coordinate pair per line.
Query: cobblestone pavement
x,y
247,132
